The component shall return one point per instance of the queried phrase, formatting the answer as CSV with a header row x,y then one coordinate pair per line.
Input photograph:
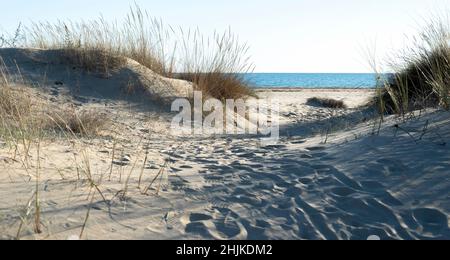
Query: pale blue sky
x,y
284,35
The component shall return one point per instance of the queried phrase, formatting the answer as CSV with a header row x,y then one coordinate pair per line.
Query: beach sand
x,y
334,174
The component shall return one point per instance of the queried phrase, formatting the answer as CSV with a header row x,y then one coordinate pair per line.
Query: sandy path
x,y
331,175
298,189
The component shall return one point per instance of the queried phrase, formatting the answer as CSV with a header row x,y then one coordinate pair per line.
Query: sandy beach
x,y
333,174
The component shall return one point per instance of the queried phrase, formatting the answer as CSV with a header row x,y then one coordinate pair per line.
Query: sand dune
x,y
131,80
391,181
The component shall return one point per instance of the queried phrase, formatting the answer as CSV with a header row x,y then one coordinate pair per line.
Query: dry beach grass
x,y
421,72
328,103
213,63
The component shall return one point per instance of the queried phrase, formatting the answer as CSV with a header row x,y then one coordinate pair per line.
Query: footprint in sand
x,y
213,179
298,142
151,167
342,191
319,155
315,148
372,186
306,181
432,220
219,202
124,161
306,156
178,183
174,170
222,228
246,155
197,217
294,191
274,147
120,163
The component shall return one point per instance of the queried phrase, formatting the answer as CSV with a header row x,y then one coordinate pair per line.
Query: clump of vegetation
x,y
15,105
214,64
422,79
20,114
84,123
93,60
326,102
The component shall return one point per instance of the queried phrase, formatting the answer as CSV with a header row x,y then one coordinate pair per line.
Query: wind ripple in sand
x,y
285,195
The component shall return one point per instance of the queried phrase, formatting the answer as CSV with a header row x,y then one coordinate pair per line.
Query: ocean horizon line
x,y
313,80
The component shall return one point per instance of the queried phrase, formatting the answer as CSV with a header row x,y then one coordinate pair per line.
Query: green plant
x,y
422,78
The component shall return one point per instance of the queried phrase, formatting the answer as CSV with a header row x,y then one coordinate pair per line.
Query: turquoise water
x,y
312,80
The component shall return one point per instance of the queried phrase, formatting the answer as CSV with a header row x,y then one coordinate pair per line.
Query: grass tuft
x,y
422,77
214,64
326,102
84,123
95,61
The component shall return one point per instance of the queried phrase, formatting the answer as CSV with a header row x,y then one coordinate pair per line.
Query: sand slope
x,y
383,185
132,81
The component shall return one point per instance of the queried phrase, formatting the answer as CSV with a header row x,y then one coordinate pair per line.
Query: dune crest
x,y
130,79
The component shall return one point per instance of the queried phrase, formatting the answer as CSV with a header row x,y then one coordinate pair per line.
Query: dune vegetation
x,y
86,153
214,63
421,75
327,103
22,115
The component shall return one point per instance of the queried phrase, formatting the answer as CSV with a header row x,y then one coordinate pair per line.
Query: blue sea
x,y
312,80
